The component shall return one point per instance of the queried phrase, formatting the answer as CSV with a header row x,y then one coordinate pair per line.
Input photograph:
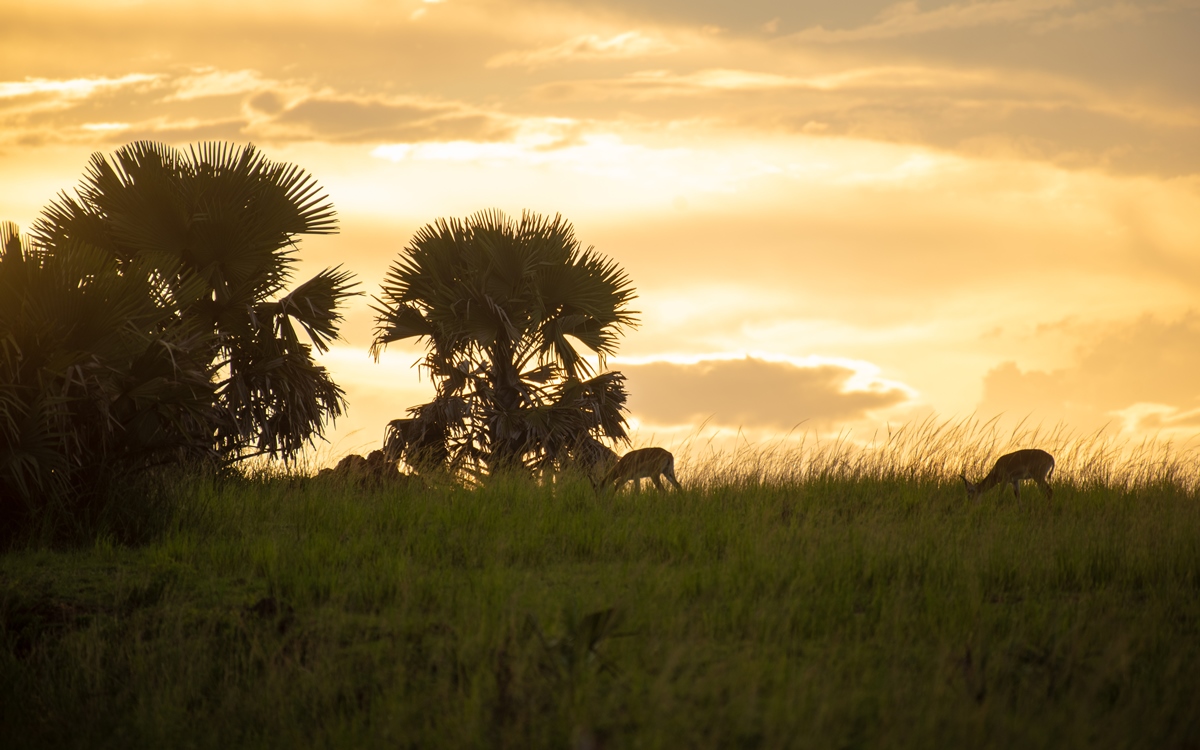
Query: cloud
x,y
1039,16
907,18
755,393
566,146
267,102
1140,373
979,112
73,88
655,84
105,110
1072,132
973,96
586,47
201,103
1081,99
190,130
971,91
207,82
1118,13
373,119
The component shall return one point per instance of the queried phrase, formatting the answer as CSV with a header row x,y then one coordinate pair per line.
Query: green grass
x,y
827,600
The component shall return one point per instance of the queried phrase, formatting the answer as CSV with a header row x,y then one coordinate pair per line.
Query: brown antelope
x,y
595,458
640,464
1030,463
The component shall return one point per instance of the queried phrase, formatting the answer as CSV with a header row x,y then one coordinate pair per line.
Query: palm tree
x,y
213,231
93,381
503,308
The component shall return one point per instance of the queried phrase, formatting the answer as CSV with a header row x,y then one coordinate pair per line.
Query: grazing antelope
x,y
640,464
594,458
1030,463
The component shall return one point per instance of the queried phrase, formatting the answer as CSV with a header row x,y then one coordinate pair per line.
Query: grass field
x,y
827,597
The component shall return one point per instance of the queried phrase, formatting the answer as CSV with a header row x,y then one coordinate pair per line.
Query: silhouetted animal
x,y
637,465
593,458
1012,468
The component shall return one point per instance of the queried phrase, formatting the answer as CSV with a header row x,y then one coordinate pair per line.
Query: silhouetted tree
x,y
94,379
212,232
502,308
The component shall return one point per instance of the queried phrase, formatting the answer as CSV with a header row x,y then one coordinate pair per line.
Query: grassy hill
x,y
812,604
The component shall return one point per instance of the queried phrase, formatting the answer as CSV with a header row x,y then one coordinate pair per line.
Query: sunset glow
x,y
837,216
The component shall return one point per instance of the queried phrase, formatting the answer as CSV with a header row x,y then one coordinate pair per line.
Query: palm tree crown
x,y
214,231
93,379
504,308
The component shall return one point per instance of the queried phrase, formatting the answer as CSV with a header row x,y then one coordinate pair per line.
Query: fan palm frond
x,y
508,311
212,232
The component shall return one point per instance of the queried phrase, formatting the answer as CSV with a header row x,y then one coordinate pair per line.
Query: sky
x,y
838,216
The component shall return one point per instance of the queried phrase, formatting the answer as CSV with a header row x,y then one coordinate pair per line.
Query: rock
x,y
373,471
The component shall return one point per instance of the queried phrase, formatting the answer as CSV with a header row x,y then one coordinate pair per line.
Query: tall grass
x,y
828,595
933,450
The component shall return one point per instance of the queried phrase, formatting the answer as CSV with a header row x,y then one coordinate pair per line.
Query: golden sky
x,y
837,215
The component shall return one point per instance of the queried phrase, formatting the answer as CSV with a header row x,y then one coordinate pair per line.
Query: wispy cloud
x,y
907,18
207,82
1128,373
73,88
539,143
237,104
344,118
102,127
627,45
1094,18
1040,16
982,111
658,83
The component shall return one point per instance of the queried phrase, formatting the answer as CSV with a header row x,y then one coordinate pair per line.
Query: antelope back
x,y
1030,463
642,463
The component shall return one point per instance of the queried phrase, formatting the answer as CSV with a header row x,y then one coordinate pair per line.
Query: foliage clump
x,y
92,377
148,319
508,312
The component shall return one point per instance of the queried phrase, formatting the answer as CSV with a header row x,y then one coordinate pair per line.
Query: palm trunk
x,y
507,444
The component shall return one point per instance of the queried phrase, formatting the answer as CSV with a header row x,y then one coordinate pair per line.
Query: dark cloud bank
x,y
750,393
